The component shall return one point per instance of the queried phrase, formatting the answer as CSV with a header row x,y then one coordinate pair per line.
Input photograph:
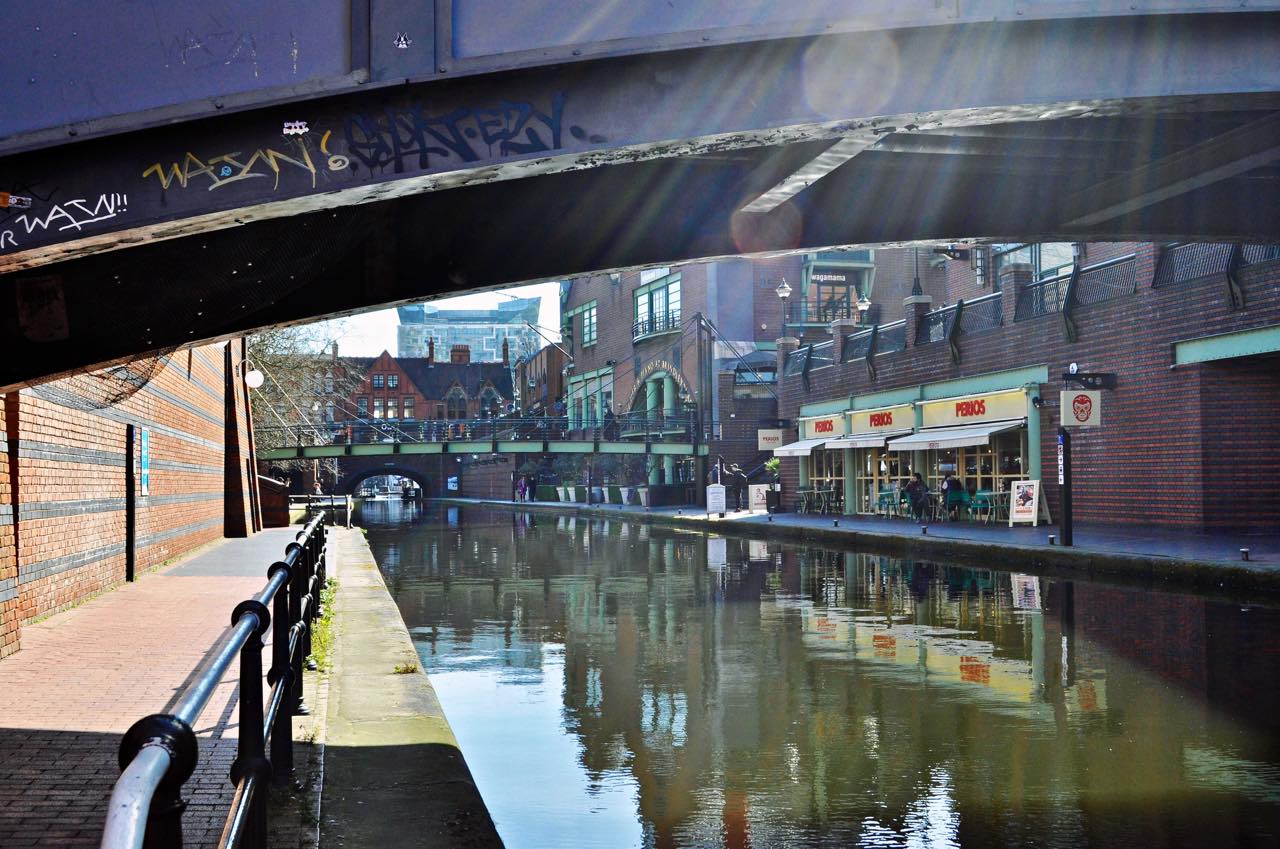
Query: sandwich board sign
x,y
1024,502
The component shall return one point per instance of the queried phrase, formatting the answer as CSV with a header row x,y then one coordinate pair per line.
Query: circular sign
x,y
1082,407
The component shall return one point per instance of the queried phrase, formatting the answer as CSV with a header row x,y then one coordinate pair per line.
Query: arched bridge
x,y
266,163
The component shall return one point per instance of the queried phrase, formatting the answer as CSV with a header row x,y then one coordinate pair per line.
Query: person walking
x,y
740,485
522,487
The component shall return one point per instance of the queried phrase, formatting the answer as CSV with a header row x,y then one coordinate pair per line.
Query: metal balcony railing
x,y
856,346
982,314
666,322
892,337
1042,298
159,753
936,325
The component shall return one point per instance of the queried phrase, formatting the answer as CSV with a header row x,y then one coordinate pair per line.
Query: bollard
x,y
835,523
924,529
1244,554
1053,540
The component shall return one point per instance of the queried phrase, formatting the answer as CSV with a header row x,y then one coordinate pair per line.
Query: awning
x,y
952,437
865,440
798,449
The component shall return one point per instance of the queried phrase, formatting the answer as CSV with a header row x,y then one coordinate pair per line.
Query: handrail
x,y
159,752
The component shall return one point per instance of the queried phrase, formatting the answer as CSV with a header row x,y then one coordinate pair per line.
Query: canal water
x,y
620,685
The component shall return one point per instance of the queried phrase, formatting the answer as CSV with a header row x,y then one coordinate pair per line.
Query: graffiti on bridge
x,y
412,138
72,214
232,167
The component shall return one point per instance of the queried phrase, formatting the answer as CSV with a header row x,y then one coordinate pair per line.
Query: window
x,y
407,407
754,383
589,325
377,408
833,293
328,412
651,274
490,402
456,403
377,381
591,412
328,383
362,407
392,411
1047,260
657,308
393,381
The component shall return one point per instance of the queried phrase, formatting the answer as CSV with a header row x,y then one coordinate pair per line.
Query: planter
x,y
580,494
564,493
643,492
627,494
613,495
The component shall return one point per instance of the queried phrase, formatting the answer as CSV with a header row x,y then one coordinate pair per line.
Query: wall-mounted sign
x,y
768,439
1081,407
144,462
1024,502
899,417
975,409
834,425
829,275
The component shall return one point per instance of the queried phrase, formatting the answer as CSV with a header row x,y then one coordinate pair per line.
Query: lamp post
x,y
864,304
784,292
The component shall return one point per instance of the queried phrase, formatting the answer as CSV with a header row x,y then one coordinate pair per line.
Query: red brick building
x,y
967,381
67,490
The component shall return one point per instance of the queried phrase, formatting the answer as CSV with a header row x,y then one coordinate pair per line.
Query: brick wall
x,y
63,486
1157,449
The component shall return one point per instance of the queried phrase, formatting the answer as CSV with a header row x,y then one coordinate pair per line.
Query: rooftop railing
x,y
159,752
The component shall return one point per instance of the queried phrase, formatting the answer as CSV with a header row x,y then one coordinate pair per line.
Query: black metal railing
x,y
856,346
159,752
664,322
503,428
892,337
1107,280
1191,261
657,426
1041,298
982,314
935,326
795,362
822,355
1260,253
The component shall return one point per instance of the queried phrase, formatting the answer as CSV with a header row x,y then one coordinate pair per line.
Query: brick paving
x,y
85,675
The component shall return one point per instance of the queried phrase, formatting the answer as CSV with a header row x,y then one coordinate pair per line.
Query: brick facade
x,y
1196,446
63,485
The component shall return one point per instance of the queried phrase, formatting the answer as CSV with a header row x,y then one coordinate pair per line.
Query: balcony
x,y
656,325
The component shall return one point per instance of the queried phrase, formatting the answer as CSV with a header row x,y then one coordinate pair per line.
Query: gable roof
x,y
433,380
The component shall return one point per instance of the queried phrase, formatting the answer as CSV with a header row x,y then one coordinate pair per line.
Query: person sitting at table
x,y
917,492
951,494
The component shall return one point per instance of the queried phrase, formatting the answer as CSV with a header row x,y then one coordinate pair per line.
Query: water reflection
x,y
625,685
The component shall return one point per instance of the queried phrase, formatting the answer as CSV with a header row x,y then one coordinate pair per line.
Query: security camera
x,y
1073,368
1037,402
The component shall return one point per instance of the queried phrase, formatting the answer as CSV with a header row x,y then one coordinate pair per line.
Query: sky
x,y
368,335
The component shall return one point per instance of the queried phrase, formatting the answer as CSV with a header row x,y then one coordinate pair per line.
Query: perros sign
x,y
897,417
832,426
975,409
768,439
1080,407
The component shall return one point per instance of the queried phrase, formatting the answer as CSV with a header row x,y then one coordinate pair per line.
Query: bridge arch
x,y
349,484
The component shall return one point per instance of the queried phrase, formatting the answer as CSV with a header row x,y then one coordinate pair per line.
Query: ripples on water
x,y
619,685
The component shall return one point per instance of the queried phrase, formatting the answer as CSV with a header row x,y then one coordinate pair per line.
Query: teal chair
x,y
958,500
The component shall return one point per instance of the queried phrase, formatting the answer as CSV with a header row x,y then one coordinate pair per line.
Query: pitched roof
x,y
433,380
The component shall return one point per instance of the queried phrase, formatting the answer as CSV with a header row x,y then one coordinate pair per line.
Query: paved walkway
x,y
84,676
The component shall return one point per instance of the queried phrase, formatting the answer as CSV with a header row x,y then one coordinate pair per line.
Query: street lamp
x,y
784,292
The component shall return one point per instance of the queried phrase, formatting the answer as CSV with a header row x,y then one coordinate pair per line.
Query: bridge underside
x,y
1147,129
499,446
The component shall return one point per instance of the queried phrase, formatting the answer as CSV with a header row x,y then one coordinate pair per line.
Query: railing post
x,y
282,730
297,589
251,755
164,815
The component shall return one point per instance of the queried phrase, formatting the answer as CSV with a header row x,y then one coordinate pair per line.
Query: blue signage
x,y
144,462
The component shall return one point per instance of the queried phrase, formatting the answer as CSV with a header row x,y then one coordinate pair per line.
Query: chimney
x,y
431,351
335,352
506,353
460,355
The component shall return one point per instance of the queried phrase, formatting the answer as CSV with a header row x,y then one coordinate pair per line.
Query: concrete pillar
x,y
668,469
914,308
670,396
651,398
850,483
655,472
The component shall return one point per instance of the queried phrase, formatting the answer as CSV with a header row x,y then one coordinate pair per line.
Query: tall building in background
x,y
482,331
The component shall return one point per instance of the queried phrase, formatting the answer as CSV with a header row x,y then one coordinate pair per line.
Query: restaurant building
x,y
1189,336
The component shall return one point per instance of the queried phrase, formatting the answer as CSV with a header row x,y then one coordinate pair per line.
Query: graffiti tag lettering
x,y
73,214
409,138
232,167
